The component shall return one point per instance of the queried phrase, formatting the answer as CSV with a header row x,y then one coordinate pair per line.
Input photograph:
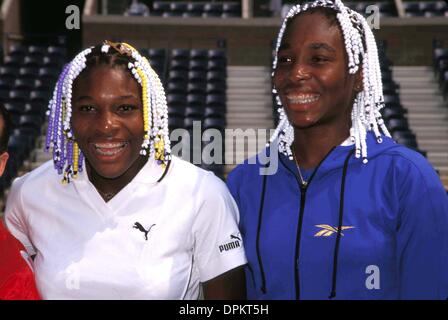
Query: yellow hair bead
x,y
75,159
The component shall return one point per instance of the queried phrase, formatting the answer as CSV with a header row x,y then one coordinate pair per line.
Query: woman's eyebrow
x,y
83,98
129,96
321,45
284,46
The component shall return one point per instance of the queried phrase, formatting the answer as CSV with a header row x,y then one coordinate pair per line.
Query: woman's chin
x,y
303,123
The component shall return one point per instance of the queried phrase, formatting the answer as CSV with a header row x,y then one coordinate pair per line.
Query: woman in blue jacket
x,y
348,213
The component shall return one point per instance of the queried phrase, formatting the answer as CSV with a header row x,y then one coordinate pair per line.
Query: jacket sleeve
x,y
422,235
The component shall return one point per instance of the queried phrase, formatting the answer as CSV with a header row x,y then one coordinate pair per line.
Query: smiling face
x,y
107,121
312,77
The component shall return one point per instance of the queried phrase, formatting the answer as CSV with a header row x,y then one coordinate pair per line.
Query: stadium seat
x,y
216,77
176,88
176,100
189,122
214,123
52,62
6,84
196,100
32,61
196,8
213,112
390,101
178,76
180,54
4,95
196,111
397,125
42,85
56,52
18,147
157,53
216,65
15,108
37,96
217,55
36,109
392,113
49,74
29,72
212,9
18,96
232,9
215,101
13,61
9,72
176,112
24,84
161,6
32,122
196,88
178,7
199,54
17,50
198,65
27,135
175,123
197,77
213,88
37,51
179,65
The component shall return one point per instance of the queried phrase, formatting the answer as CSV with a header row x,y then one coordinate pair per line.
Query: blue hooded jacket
x,y
392,213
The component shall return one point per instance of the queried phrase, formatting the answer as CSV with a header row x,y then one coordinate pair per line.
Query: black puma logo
x,y
138,226
234,237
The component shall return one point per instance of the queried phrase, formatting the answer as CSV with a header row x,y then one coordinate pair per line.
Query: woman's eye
x,y
318,59
284,59
86,108
126,108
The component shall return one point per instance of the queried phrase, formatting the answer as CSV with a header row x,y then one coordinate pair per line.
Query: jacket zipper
x,y
303,189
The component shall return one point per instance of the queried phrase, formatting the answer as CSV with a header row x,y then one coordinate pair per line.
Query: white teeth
x,y
109,149
302,99
109,145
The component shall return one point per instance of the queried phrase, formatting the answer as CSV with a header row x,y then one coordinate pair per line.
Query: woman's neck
x,y
311,145
109,187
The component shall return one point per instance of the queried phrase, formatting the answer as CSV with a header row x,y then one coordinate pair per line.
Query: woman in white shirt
x,y
128,221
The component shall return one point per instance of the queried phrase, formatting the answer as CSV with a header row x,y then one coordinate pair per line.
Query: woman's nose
x,y
299,72
107,123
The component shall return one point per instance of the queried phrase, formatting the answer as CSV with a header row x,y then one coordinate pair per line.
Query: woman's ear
x,y
3,159
358,87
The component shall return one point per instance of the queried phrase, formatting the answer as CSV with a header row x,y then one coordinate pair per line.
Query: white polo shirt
x,y
151,241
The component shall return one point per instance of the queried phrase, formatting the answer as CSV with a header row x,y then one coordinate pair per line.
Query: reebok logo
x,y
327,230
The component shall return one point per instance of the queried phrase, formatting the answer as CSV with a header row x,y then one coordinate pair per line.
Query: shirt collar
x,y
149,174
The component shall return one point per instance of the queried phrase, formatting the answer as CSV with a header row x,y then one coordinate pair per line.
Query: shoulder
x,y
199,181
409,175
249,169
38,179
410,165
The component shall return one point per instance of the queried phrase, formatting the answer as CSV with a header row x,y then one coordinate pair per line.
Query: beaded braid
x,y
361,48
67,157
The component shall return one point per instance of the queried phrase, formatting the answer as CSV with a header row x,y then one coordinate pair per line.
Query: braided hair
x,y
67,157
362,53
